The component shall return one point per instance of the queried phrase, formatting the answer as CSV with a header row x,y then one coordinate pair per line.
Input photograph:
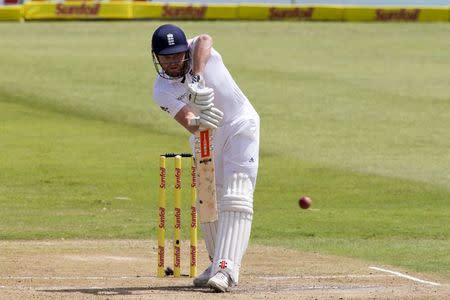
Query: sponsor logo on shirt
x,y
181,97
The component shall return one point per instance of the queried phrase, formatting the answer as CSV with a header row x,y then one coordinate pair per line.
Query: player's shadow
x,y
131,290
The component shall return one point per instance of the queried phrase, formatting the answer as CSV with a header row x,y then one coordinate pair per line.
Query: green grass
x,y
355,115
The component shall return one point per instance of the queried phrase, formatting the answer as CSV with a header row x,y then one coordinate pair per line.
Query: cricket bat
x,y
206,179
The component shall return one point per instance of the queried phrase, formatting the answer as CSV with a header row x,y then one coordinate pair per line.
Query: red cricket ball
x,y
304,202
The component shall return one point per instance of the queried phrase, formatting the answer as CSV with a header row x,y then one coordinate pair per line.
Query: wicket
x,y
177,216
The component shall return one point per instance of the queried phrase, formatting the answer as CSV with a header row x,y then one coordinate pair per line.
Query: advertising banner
x,y
290,12
77,10
90,9
143,10
253,12
396,14
223,12
434,15
11,13
328,13
184,11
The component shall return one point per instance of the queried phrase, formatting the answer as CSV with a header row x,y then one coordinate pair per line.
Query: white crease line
x,y
405,276
321,277
72,277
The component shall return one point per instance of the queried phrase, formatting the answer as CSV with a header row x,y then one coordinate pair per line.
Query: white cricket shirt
x,y
171,95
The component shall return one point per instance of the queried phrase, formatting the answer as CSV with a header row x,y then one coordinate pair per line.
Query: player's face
x,y
172,64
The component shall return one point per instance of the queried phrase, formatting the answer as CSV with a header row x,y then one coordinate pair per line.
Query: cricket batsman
x,y
197,90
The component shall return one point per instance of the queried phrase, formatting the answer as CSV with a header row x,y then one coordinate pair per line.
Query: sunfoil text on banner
x,y
180,11
77,10
396,14
289,12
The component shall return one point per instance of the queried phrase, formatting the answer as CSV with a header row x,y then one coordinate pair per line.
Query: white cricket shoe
x,y
221,282
202,279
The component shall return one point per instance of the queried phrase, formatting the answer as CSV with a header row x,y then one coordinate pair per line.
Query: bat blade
x,y
206,180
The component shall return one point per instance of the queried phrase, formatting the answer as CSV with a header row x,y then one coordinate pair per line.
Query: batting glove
x,y
208,119
198,95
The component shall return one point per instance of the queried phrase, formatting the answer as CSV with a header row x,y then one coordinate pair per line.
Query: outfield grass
x,y
355,115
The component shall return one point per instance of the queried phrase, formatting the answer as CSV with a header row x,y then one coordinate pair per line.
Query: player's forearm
x,y
183,117
202,52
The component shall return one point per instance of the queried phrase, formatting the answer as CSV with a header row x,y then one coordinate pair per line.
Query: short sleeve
x,y
168,102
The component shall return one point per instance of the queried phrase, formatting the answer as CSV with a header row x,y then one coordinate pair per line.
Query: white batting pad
x,y
235,221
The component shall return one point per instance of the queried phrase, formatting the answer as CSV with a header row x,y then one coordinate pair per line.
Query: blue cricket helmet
x,y
169,39
166,40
